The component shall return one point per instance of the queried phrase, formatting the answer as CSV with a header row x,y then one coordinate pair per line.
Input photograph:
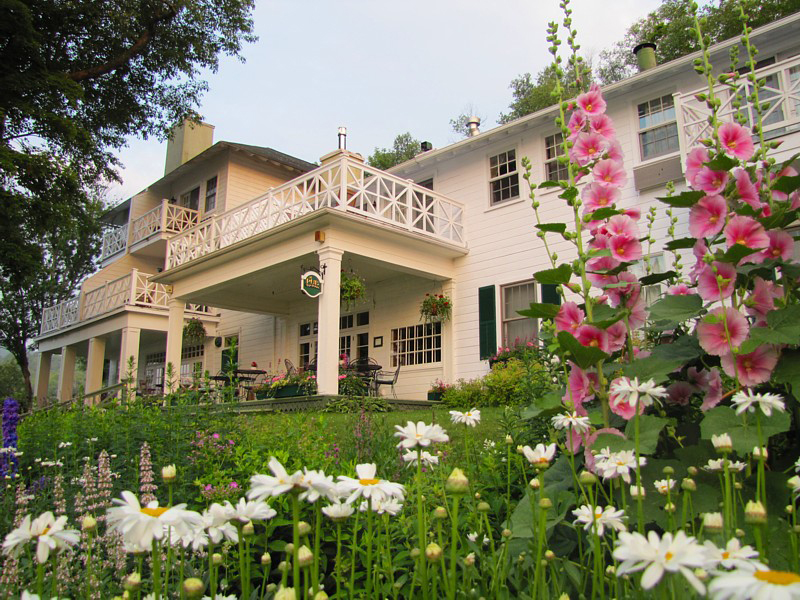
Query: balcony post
x,y
66,374
174,343
328,316
94,365
343,174
42,379
129,349
134,282
164,213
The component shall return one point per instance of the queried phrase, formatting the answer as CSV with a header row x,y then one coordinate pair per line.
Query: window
x,y
652,265
658,129
230,353
553,148
517,328
503,176
191,199
417,345
211,194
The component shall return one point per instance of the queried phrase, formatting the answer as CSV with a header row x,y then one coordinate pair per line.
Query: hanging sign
x,y
311,284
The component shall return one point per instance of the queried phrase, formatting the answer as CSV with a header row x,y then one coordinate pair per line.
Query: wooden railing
x,y
346,185
114,242
164,218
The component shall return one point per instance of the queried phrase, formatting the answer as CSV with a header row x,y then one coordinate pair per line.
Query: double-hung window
x,y
516,328
658,127
553,148
503,177
211,194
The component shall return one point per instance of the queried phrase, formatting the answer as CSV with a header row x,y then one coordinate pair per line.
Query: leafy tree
x,y
460,124
530,96
405,148
11,382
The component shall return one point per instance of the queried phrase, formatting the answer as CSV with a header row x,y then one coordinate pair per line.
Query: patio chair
x,y
385,378
290,368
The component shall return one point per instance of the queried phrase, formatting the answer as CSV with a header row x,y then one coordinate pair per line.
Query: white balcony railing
x,y
781,90
133,289
164,218
346,185
114,242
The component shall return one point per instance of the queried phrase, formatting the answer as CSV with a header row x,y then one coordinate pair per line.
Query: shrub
x,y
466,394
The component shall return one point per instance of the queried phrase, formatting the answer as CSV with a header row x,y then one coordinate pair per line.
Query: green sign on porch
x,y
311,284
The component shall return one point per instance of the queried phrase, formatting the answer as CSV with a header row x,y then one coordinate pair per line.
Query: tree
x,y
11,383
76,79
530,97
671,28
405,148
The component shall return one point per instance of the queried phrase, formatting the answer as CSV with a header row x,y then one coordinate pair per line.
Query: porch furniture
x,y
248,380
366,368
385,378
312,366
290,368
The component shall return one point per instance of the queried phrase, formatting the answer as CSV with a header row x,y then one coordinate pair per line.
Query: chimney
x,y
342,138
426,146
645,55
186,141
473,123
341,150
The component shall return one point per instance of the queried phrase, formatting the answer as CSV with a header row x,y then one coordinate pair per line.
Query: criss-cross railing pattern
x,y
60,315
346,185
781,90
166,218
114,241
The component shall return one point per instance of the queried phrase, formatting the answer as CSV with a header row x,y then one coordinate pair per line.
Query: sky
x,y
378,68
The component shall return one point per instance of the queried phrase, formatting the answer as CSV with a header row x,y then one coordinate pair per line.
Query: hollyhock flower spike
x,y
714,329
569,317
753,368
599,195
747,232
610,172
588,147
781,246
710,182
707,217
695,161
591,103
748,192
592,337
603,125
736,141
716,281
576,124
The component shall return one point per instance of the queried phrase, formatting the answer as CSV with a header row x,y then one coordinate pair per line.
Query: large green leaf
x,y
736,253
683,200
545,404
788,371
613,442
786,319
654,278
560,274
787,184
552,227
602,213
676,309
680,244
664,359
742,428
722,163
584,356
540,311
650,427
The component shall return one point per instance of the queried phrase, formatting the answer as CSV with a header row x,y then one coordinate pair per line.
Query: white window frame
x,y
554,159
187,195
506,319
658,264
417,345
207,210
497,177
662,125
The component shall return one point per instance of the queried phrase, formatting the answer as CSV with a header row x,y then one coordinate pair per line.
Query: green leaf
x,y
787,184
788,317
569,194
764,335
683,200
613,442
736,253
540,311
665,359
654,278
788,371
602,213
552,227
722,163
676,309
549,184
742,428
680,244
548,402
560,274
583,356
650,427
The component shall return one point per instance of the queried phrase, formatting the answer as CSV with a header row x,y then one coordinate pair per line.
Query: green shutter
x,y
487,321
549,294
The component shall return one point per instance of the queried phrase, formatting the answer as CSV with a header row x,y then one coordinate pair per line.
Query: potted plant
x,y
285,386
436,308
193,332
438,388
352,289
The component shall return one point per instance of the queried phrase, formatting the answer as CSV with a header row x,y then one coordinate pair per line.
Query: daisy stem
x,y
242,566
156,571
598,563
759,541
296,541
421,527
728,519
40,579
88,565
180,576
53,585
388,547
508,477
353,555
317,536
445,579
370,569
453,547
540,544
489,535
212,569
139,561
639,487
338,570
761,489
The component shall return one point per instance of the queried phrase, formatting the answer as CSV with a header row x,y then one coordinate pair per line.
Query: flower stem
x,y
338,570
296,541
453,547
639,487
422,566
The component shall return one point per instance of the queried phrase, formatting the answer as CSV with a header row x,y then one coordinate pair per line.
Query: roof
x,y
274,155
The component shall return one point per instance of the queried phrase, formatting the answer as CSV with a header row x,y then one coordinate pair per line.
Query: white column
x,y
129,347
448,337
174,343
328,305
94,365
66,376
42,378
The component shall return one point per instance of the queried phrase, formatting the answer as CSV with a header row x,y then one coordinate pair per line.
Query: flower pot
x,y
435,396
264,394
288,391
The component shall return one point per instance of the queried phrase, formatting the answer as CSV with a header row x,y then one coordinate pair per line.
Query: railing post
x,y
343,184
60,315
132,291
164,215
409,204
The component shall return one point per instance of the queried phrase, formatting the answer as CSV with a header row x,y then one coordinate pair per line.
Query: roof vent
x,y
645,56
473,123
426,146
342,138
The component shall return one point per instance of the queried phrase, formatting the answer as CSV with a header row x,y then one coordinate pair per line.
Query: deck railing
x,y
164,218
114,242
346,185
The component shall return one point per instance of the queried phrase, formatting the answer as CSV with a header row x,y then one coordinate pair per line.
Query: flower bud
x,y
669,507
216,558
794,482
285,593
637,492
611,570
692,471
796,529
289,548
789,509
535,484
266,559
509,440
132,582
321,595
737,485
506,533
168,473
469,559
668,471
587,478
755,513
688,485
760,453
248,530
722,443
193,588
89,524
283,567
701,574
433,552
519,450
304,556
712,521
739,533
477,495
484,507
303,528
440,512
271,587
457,482
414,553
549,555
545,503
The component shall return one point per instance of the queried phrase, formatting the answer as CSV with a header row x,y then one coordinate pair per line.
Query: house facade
x,y
235,227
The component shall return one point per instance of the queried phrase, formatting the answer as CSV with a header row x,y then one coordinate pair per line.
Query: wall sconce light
x,y
319,236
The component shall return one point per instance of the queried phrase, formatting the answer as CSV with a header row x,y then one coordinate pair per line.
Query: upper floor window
x,y
517,328
653,264
191,199
503,176
553,148
211,194
658,127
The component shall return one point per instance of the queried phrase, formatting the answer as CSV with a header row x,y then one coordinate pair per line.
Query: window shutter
x,y
487,321
549,294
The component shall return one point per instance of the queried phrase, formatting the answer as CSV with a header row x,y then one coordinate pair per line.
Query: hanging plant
x,y
436,308
193,332
352,289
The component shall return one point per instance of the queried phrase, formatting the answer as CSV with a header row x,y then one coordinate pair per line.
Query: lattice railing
x,y
113,294
114,241
179,218
60,315
781,91
166,218
346,185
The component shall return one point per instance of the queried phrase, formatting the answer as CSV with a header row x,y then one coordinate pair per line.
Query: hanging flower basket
x,y
193,332
436,308
352,289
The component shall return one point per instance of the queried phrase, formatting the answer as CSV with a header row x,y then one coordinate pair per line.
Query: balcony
x,y
345,184
165,218
134,289
114,242
781,91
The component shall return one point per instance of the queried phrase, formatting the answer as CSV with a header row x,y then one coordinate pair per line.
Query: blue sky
x,y
379,68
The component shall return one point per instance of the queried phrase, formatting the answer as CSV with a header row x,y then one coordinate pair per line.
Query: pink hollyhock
x,y
679,289
592,337
614,151
781,246
580,388
622,225
710,383
601,263
699,250
762,299
601,299
638,316
746,231
748,193
599,195
600,280
633,213
710,288
617,335
576,124
569,317
591,103
622,294
625,248
711,182
603,125
588,147
611,172
787,172
639,353
695,161
737,141
707,217
680,392
711,331
753,368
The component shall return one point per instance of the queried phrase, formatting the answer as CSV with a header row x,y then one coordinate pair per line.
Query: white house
x,y
235,226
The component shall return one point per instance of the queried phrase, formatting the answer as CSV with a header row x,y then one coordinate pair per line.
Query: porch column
x,y
94,364
448,338
66,376
42,378
129,347
328,317
174,343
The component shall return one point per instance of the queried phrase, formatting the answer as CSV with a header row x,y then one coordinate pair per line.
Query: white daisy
x,y
747,400
540,456
663,486
618,464
733,556
215,522
388,506
758,583
655,555
473,537
597,519
318,484
427,458
470,417
794,484
718,465
631,391
571,421
276,484
367,485
419,434
141,525
255,510
48,533
338,511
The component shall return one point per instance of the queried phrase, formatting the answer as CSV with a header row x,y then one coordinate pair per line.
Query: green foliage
x,y
743,429
355,404
352,289
11,381
405,147
465,394
503,383
530,96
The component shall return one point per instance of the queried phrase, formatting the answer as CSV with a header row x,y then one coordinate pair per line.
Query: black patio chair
x,y
290,368
385,378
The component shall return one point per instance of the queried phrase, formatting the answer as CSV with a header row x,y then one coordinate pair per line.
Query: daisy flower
x,y
759,583
410,457
338,511
717,465
276,484
381,506
367,485
655,555
254,510
747,400
215,522
597,519
419,434
571,421
618,464
46,531
540,456
733,556
471,417
141,525
473,537
663,486
318,484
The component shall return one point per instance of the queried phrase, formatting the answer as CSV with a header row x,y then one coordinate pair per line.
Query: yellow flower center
x,y
621,250
468,414
713,219
155,512
44,532
602,201
777,577
726,555
732,144
589,107
668,556
594,344
418,435
543,460
369,481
